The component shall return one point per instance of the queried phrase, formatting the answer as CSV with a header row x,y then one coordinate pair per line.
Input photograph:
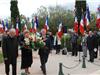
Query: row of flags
x,y
34,26
85,21
3,26
98,18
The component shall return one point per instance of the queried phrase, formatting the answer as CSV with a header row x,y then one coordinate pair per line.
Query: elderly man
x,y
10,51
90,46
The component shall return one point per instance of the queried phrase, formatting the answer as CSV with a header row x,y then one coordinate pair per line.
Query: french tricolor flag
x,y
76,25
25,27
81,26
46,27
98,21
17,29
6,26
87,18
60,31
35,25
98,18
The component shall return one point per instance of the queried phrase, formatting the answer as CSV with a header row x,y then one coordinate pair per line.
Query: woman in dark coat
x,y
26,50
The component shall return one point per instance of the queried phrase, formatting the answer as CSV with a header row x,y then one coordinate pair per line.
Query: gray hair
x,y
12,32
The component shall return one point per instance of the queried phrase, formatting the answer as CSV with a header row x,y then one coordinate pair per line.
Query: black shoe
x,y
44,69
41,68
90,61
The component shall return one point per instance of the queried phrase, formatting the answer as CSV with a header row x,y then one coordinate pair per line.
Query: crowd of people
x,y
26,41
90,42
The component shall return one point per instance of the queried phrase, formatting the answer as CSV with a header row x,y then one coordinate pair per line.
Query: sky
x,y
27,7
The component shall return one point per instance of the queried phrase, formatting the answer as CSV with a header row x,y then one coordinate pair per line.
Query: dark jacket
x,y
46,48
90,42
74,39
10,48
96,40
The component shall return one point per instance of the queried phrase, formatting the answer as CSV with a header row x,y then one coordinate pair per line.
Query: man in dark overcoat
x,y
90,46
10,51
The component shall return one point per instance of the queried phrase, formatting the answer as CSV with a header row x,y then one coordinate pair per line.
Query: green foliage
x,y
1,57
65,41
56,15
93,22
79,40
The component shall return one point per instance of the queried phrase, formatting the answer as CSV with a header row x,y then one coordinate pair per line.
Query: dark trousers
x,y
0,43
74,49
7,68
91,53
43,60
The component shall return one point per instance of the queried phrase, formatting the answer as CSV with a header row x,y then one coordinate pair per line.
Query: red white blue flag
x,y
81,26
76,25
46,27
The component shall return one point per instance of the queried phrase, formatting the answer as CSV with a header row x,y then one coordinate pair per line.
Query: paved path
x,y
53,65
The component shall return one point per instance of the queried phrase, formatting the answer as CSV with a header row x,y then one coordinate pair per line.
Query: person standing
x,y
84,45
96,43
90,46
10,51
26,51
57,43
44,51
52,40
74,44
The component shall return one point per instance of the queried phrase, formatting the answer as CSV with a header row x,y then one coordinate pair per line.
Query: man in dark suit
x,y
90,46
74,38
96,43
10,51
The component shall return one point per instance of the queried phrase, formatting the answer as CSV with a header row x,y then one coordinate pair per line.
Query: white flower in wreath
x,y
95,49
27,42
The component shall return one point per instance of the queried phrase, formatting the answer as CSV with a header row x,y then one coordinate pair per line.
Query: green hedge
x,y
65,42
1,57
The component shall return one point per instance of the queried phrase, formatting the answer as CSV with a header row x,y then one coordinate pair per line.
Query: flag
x,y
3,24
35,27
25,27
31,30
17,29
46,27
87,18
36,21
81,26
32,25
76,25
98,21
1,28
35,24
98,18
6,26
60,31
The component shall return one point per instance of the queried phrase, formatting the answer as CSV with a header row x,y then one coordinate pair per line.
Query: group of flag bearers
x,y
90,40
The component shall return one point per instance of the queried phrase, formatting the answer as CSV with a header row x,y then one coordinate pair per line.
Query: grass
x,y
1,57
